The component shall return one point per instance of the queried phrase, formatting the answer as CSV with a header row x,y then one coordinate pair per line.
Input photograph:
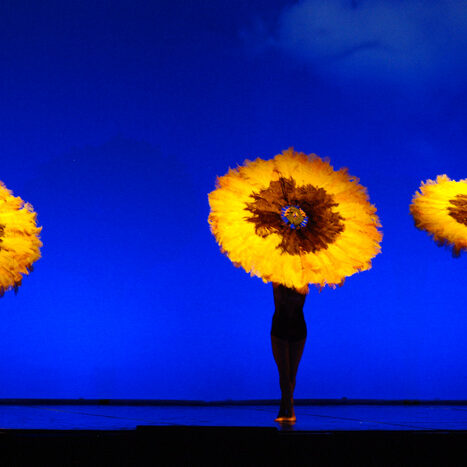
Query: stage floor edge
x,y
310,418
233,434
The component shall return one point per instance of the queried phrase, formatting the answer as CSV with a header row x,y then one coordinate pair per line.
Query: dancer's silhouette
x,y
288,336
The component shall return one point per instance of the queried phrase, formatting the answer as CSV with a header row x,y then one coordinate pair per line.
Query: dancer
x,y
288,336
293,220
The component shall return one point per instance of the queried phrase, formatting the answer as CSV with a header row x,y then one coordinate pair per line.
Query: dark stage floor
x,y
236,435
309,418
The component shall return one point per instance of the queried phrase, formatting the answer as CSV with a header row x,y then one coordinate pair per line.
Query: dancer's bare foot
x,y
286,412
282,412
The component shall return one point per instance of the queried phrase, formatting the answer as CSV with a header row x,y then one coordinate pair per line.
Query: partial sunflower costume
x,y
19,239
440,208
294,220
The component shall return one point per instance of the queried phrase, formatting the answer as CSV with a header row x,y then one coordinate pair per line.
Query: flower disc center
x,y
294,217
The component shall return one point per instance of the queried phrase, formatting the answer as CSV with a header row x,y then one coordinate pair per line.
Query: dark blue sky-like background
x,y
115,119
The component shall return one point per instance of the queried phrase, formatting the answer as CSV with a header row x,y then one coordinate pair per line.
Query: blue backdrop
x,y
116,117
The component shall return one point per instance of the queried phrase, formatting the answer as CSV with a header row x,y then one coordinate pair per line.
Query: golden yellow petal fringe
x,y
349,253
433,208
19,239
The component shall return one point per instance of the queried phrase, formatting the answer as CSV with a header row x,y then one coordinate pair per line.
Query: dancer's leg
x,y
280,350
295,355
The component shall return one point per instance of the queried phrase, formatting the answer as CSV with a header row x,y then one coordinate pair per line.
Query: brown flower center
x,y
322,226
458,210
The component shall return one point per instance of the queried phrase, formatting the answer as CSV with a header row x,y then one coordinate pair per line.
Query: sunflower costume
x,y
440,208
19,239
294,220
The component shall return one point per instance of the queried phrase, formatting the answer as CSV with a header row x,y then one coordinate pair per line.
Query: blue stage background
x,y
116,118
